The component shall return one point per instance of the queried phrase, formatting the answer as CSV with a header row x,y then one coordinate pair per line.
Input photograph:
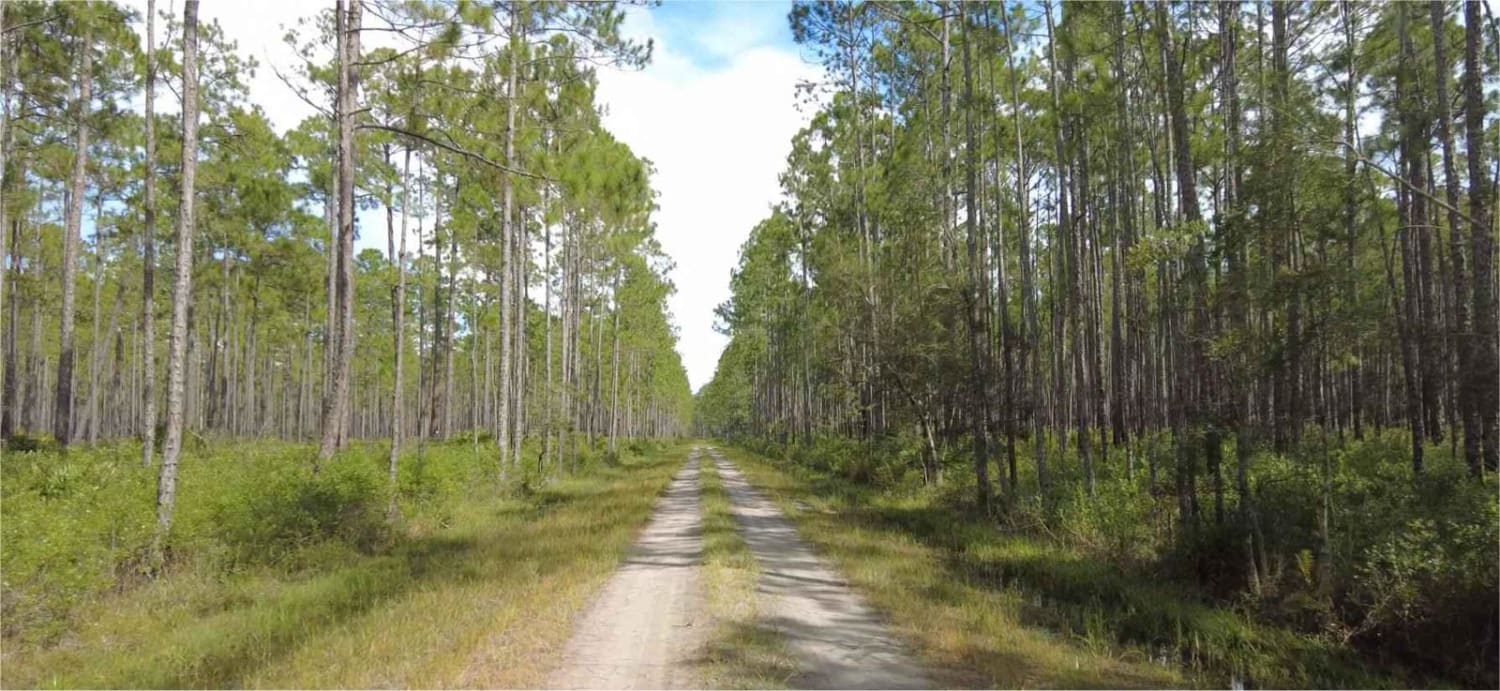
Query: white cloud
x,y
718,137
256,28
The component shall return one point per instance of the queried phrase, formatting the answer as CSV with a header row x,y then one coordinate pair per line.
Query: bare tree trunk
x,y
398,317
448,327
547,321
9,244
508,234
1028,299
1485,345
1413,216
336,404
91,408
1459,322
330,282
565,317
1240,271
614,402
148,252
182,288
62,420
1351,201
100,349
518,436
979,417
11,402
439,338
1187,190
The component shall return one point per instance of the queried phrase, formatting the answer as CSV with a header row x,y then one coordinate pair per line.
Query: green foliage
x,y
74,524
317,609
77,524
269,521
1413,567
22,443
1117,525
1108,243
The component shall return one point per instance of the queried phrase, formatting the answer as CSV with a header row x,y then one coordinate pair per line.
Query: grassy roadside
x,y
739,653
481,595
989,609
969,632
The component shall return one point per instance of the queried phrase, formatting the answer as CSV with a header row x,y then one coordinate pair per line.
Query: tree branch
x,y
449,147
301,93
1409,187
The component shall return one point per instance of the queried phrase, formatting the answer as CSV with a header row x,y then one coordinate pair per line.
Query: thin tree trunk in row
x,y
336,402
166,494
398,317
1485,344
508,236
62,415
977,368
148,252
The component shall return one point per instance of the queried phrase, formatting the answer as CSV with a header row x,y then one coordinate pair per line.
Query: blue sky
x,y
712,33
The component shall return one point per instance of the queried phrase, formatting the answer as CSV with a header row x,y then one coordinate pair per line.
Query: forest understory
x,y
1065,590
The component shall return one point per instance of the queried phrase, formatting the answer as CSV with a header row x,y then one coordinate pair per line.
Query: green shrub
x,y
639,447
21,443
1411,571
265,522
71,522
1116,524
76,525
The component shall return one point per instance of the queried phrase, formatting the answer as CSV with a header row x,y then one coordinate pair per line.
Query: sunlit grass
x,y
476,589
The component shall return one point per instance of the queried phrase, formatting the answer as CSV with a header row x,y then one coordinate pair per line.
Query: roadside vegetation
x,y
1055,594
238,453
281,578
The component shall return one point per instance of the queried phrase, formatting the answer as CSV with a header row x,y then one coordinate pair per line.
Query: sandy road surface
x,y
840,642
645,628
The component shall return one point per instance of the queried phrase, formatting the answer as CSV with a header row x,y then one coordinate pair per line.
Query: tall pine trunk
x,y
508,233
1484,353
62,415
979,416
398,320
182,287
336,404
148,252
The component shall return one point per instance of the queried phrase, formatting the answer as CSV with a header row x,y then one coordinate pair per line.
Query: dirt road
x,y
840,642
645,628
